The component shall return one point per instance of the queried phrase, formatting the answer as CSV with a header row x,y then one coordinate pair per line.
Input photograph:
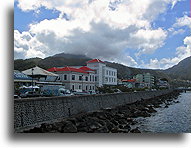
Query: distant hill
x,y
21,64
71,56
181,71
129,72
61,60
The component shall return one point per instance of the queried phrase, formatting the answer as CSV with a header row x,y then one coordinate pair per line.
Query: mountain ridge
x,y
124,72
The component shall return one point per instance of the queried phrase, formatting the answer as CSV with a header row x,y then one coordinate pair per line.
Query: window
x,y
90,87
73,87
80,78
65,77
93,78
80,86
96,79
58,78
73,77
90,78
86,87
86,78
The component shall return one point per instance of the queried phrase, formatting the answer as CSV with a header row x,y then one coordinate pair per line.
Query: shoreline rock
x,y
109,120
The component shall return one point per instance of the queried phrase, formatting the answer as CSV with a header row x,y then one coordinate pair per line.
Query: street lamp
x,y
32,78
82,82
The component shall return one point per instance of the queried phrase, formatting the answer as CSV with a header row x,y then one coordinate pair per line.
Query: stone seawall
x,y
30,112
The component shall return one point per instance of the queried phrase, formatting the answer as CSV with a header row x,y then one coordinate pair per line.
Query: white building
x,y
104,75
147,79
87,78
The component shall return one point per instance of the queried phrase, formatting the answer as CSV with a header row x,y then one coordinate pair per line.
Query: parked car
x,y
30,94
16,96
81,93
30,91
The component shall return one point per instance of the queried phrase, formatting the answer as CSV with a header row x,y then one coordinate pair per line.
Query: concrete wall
x,y
33,111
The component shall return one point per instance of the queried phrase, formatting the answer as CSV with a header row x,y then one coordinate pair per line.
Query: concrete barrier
x,y
30,112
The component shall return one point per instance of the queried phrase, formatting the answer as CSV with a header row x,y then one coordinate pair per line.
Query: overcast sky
x,y
138,33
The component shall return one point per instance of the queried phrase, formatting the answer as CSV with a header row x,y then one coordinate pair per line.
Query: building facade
x,y
146,80
76,79
86,78
104,75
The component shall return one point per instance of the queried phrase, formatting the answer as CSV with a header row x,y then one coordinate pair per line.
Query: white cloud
x,y
148,40
183,21
180,31
93,29
182,52
26,46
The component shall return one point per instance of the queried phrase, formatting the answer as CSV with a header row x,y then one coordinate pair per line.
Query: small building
x,y
41,75
163,83
129,83
21,79
147,79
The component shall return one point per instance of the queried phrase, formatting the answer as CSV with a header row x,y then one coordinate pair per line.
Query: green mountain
x,y
180,71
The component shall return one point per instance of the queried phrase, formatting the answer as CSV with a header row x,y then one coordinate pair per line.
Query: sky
x,y
154,34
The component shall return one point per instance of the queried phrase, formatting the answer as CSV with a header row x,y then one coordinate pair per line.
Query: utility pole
x,y
82,83
32,79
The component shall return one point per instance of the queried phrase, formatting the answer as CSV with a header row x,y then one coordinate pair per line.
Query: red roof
x,y
95,61
67,69
53,69
131,80
85,68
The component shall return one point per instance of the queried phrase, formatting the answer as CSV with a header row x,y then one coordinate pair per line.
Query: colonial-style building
x,y
104,75
76,79
86,78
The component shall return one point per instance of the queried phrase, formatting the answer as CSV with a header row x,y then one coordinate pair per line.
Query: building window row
x,y
110,79
111,73
87,87
81,78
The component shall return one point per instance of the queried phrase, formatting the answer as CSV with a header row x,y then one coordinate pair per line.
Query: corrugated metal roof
x,y
21,76
38,71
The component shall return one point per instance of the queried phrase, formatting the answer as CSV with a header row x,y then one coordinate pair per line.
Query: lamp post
x,y
82,82
32,78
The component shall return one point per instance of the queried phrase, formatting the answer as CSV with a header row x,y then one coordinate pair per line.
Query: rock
x,y
136,130
129,120
69,128
95,125
83,129
102,130
127,127
73,120
109,125
45,127
151,109
114,130
166,106
114,122
122,121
